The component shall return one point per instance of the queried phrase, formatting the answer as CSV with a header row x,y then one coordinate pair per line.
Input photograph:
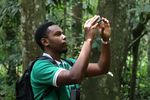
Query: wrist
x,y
105,41
105,38
89,41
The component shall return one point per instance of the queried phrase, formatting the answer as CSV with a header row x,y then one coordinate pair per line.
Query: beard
x,y
62,49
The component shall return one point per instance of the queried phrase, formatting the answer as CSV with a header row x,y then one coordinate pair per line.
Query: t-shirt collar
x,y
46,54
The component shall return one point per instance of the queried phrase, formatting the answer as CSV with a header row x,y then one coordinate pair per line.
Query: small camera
x,y
99,20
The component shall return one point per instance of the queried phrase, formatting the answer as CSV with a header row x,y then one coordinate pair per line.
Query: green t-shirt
x,y
44,75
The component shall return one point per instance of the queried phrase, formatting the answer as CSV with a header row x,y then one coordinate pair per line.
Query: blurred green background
x,y
129,76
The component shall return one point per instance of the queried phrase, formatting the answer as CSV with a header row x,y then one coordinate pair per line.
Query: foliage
x,y
11,41
142,88
6,91
10,52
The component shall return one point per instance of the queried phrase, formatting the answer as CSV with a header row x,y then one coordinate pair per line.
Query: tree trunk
x,y
33,14
134,70
107,87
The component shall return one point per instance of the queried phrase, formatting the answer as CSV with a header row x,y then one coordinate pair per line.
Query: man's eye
x,y
58,33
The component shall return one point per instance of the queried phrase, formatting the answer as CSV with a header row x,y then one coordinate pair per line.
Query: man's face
x,y
57,40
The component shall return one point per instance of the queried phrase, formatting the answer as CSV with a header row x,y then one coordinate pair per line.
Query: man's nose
x,y
64,37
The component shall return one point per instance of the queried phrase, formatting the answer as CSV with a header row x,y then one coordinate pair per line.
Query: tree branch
x,y
134,41
138,30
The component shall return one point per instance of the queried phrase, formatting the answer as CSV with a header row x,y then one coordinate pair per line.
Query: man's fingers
x,y
87,23
94,26
90,22
106,21
95,19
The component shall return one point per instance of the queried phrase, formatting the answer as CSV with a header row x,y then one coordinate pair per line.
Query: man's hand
x,y
89,27
104,29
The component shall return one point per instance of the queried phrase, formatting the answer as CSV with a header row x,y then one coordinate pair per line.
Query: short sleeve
x,y
44,72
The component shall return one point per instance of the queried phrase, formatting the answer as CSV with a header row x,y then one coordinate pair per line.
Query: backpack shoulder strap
x,y
40,58
30,66
68,61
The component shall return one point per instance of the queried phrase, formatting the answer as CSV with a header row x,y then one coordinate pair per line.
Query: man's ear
x,y
45,41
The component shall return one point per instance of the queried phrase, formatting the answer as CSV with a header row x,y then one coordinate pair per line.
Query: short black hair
x,y
41,32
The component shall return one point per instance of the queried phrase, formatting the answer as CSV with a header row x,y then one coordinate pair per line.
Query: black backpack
x,y
23,85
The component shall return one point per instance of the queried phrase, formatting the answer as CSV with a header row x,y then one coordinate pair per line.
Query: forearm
x,y
103,64
81,64
105,57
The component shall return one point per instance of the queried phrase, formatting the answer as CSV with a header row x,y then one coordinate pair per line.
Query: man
x,y
62,75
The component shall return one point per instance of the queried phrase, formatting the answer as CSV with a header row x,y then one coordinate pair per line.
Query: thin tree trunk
x,y
11,71
11,36
65,15
136,32
32,14
76,25
134,70
77,20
